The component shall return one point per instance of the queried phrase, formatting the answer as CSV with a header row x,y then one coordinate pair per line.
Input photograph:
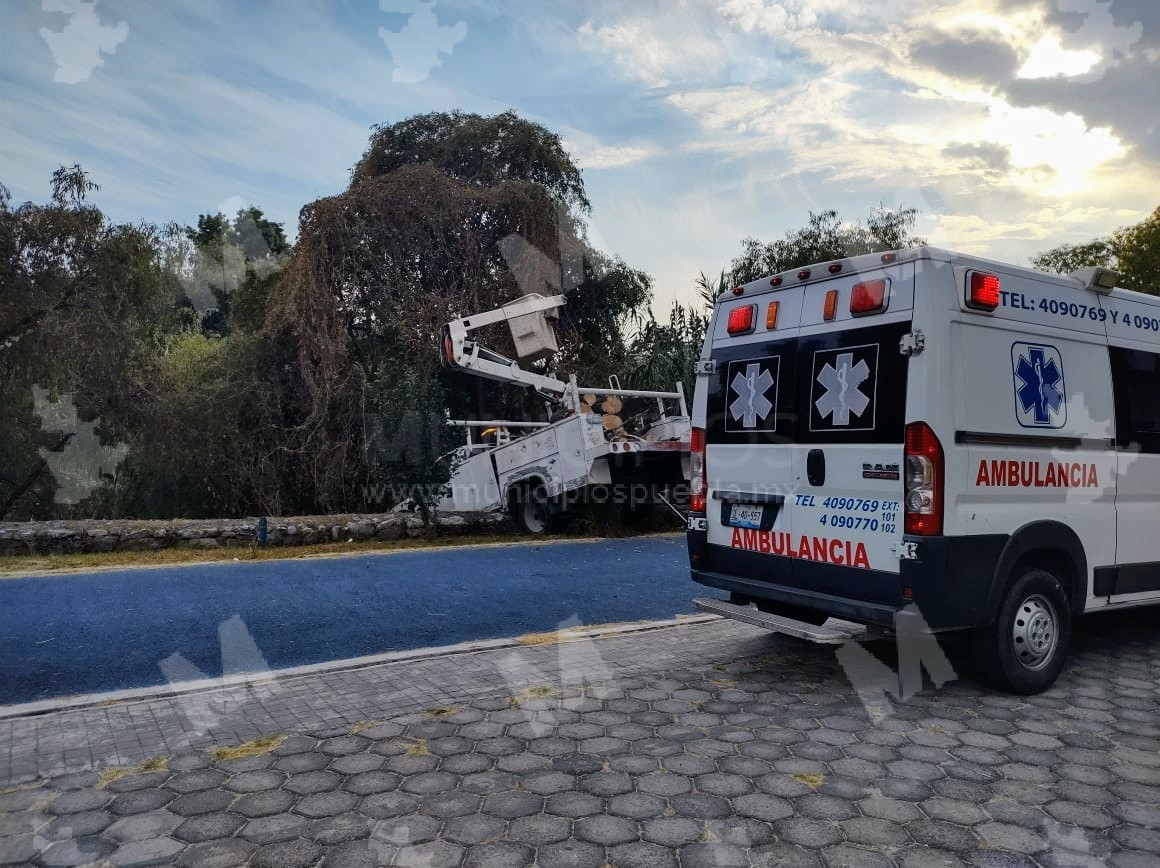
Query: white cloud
x,y
769,19
851,124
639,52
699,121
609,156
1048,58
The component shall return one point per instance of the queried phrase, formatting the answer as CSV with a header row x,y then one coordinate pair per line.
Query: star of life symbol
x,y
843,395
1039,391
751,402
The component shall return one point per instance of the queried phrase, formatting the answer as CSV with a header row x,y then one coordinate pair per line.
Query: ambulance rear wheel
x,y
1026,647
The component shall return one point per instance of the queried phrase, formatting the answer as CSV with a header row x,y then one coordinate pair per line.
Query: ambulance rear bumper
x,y
838,607
951,580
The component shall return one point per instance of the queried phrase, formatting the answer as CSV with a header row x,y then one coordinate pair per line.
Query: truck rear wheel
x,y
532,510
1026,647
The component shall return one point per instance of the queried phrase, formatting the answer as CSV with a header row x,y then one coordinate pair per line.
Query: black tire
x,y
532,510
1025,649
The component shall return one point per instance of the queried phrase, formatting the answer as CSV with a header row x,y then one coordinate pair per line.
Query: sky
x,y
1012,125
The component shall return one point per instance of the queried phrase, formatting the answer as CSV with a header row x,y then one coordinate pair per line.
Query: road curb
x,y
209,685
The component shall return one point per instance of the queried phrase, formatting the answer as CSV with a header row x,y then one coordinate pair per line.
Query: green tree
x,y
826,237
230,266
663,354
446,214
1133,251
1067,258
84,305
1137,251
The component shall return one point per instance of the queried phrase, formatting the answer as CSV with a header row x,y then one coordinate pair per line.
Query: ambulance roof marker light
x,y
830,309
775,281
804,274
835,267
889,258
983,291
737,290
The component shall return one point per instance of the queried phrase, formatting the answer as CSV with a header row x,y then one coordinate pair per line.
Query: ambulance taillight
x,y
698,485
869,296
741,320
924,481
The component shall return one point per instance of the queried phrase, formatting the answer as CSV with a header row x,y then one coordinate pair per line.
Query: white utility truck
x,y
610,445
933,433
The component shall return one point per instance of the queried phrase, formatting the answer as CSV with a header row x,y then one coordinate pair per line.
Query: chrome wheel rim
x,y
1035,632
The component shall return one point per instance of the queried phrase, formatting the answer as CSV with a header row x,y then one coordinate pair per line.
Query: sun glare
x,y
1049,59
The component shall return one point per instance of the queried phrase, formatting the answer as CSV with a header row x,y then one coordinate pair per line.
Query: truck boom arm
x,y
461,352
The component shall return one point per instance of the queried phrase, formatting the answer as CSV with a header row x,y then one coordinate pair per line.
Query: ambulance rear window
x,y
846,386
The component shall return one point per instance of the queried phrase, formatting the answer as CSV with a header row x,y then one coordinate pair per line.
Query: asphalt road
x,y
84,633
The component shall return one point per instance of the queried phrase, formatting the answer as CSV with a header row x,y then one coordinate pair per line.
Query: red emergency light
x,y
983,292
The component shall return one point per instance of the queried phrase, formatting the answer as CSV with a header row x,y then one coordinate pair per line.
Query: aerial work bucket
x,y
534,334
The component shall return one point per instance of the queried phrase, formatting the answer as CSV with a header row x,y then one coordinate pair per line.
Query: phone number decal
x,y
852,522
855,513
1073,310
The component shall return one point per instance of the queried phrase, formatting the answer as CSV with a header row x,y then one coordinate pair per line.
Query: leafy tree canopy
x,y
826,237
84,304
1133,251
446,214
476,150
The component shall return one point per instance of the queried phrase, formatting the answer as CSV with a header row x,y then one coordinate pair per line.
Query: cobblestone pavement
x,y
767,758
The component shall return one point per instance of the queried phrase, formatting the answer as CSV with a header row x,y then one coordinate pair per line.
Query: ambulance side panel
x,y
1133,325
1029,434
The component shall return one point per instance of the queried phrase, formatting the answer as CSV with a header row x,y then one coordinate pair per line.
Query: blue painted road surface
x,y
83,633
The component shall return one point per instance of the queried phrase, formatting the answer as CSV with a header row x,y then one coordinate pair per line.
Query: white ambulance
x,y
927,431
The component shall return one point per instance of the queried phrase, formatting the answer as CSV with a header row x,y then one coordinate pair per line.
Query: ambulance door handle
x,y
816,467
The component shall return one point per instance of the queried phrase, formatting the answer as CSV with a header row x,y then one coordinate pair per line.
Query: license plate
x,y
745,516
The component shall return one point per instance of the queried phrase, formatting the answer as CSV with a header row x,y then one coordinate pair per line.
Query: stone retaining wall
x,y
45,537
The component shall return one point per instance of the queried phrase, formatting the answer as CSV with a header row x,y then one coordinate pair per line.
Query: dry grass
x,y
538,692
24,565
257,747
568,633
444,712
115,773
419,748
17,788
541,638
811,781
362,726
